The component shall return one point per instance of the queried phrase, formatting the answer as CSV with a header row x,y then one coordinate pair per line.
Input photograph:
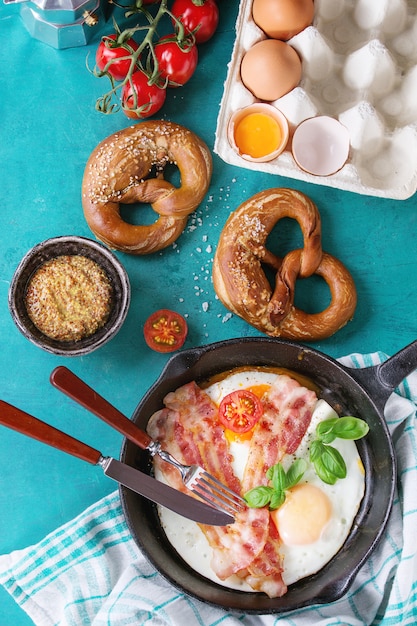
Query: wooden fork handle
x,y
26,424
67,382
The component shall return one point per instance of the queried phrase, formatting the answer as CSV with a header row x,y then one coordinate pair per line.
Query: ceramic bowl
x,y
320,145
70,245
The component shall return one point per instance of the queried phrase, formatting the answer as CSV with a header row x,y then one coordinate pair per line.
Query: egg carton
x,y
359,61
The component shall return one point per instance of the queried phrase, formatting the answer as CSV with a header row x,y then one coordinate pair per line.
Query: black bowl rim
x,y
310,590
51,248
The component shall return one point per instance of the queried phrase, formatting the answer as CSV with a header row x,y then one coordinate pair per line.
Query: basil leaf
x,y
324,430
270,472
295,473
258,497
276,474
316,450
328,438
278,498
349,427
323,473
333,461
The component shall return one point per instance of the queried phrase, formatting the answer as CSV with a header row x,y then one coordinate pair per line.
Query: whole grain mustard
x,y
69,298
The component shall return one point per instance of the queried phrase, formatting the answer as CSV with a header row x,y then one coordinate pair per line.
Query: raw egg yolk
x,y
303,516
257,135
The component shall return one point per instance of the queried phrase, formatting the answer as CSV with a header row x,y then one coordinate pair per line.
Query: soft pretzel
x,y
242,286
117,173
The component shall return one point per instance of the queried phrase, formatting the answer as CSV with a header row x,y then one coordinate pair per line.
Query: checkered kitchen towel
x,y
90,572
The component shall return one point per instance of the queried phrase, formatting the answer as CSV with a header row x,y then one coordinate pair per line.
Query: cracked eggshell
x,y
320,145
264,110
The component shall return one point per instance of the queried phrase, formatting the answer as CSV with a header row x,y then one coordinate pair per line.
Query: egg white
x,y
345,497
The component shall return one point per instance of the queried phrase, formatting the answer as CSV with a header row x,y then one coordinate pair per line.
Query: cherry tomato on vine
x,y
176,61
165,331
139,98
200,17
240,410
116,55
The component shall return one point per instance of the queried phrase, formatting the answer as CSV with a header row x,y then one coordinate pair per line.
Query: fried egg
x,y
314,520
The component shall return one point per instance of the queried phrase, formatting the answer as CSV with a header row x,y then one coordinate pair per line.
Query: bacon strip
x,y
188,427
288,408
200,434
190,430
265,572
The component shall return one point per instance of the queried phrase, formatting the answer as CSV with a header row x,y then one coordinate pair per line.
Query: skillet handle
x,y
393,371
26,424
67,382
381,380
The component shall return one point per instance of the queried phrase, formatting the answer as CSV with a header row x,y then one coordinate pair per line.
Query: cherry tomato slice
x,y
165,331
240,410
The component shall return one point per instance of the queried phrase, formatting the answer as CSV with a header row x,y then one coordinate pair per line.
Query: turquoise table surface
x,y
48,128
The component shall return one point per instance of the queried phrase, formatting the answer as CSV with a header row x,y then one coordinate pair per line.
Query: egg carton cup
x,y
359,61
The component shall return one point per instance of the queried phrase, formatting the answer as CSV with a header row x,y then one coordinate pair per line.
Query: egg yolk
x,y
257,135
303,516
231,436
259,390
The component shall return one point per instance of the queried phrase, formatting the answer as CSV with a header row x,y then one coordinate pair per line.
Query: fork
x,y
194,477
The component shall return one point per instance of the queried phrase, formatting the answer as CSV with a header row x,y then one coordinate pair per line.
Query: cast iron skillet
x,y
362,393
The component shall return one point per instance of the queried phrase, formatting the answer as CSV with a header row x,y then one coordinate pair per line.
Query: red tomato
x,y
176,62
240,410
139,99
165,331
200,17
116,55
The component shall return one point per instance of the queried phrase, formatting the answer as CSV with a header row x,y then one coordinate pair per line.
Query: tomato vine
x,y
140,64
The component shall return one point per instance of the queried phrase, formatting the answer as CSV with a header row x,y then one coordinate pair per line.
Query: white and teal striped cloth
x,y
90,572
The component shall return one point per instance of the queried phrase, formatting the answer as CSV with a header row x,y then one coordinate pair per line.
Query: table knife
x,y
137,481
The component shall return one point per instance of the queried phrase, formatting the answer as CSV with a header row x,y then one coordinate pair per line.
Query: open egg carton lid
x,y
359,60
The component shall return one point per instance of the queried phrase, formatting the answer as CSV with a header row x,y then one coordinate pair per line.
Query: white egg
x,y
344,498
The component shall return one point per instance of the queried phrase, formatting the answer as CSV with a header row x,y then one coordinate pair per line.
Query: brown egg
x,y
282,19
270,69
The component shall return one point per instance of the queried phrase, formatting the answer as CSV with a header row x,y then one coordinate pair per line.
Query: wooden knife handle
x,y
22,422
67,382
